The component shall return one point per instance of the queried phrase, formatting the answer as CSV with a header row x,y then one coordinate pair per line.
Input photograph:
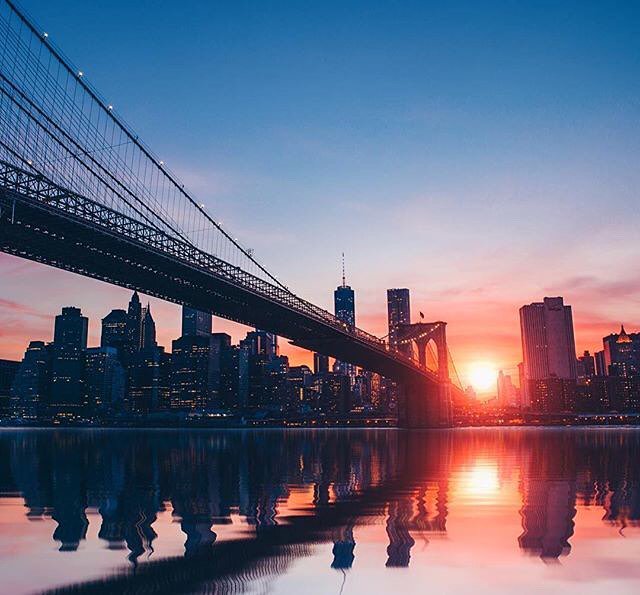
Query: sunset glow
x,y
482,376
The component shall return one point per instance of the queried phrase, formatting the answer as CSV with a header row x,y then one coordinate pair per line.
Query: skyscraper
x,y
67,367
134,323
601,367
190,373
195,323
71,329
399,312
105,378
219,369
549,353
32,383
345,311
262,343
148,380
148,329
344,303
622,354
8,371
320,363
586,367
114,330
506,390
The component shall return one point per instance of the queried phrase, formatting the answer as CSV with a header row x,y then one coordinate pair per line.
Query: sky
x,y
483,154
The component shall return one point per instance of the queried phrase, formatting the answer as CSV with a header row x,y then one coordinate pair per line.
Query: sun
x,y
482,375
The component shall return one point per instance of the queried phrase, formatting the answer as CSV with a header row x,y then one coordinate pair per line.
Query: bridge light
x,y
161,162
109,107
202,205
80,73
29,162
45,35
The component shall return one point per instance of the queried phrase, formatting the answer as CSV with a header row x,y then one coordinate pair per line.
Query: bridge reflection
x,y
283,492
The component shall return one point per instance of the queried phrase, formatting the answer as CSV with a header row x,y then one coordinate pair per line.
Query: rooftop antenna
x,y
344,283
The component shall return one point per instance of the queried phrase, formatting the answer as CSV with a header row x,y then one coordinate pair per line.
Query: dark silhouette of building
x,y
68,390
237,394
115,331
149,380
195,323
71,329
586,367
32,383
336,394
105,380
320,363
148,330
622,354
345,311
266,373
134,323
300,379
220,371
262,343
8,371
398,313
549,355
601,368
268,388
191,368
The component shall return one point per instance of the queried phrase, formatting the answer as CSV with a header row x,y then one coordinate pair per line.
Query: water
x,y
372,511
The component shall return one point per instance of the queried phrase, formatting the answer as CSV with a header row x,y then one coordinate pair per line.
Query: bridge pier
x,y
422,405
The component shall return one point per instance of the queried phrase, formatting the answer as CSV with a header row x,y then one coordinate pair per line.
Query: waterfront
x,y
357,511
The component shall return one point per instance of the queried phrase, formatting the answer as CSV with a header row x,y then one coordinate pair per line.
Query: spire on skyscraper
x,y
623,337
344,278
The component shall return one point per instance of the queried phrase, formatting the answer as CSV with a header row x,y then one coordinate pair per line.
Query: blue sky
x,y
484,154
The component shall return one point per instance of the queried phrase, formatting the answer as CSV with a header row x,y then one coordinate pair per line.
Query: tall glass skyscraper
x,y
67,374
134,323
195,323
549,354
344,302
399,312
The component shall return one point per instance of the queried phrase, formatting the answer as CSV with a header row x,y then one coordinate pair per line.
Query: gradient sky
x,y
483,154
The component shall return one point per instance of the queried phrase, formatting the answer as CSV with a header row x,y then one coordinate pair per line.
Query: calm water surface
x,y
373,511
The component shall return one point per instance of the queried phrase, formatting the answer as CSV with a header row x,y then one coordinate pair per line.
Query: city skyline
x,y
462,259
319,297
170,323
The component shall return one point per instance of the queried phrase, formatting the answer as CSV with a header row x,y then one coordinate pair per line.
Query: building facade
x,y
398,313
549,353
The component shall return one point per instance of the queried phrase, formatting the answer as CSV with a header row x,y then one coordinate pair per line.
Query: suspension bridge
x,y
80,191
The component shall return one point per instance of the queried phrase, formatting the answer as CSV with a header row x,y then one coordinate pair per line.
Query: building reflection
x,y
549,498
295,488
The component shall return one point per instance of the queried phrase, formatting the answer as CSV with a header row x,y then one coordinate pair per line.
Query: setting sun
x,y
482,376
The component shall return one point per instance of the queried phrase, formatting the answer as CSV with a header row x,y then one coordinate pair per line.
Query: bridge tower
x,y
424,404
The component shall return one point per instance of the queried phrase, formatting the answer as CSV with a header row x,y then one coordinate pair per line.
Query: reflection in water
x,y
249,503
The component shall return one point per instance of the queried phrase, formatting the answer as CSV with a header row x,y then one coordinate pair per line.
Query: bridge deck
x,y
43,222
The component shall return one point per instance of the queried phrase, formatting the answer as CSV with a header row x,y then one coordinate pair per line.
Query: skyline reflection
x,y
200,508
